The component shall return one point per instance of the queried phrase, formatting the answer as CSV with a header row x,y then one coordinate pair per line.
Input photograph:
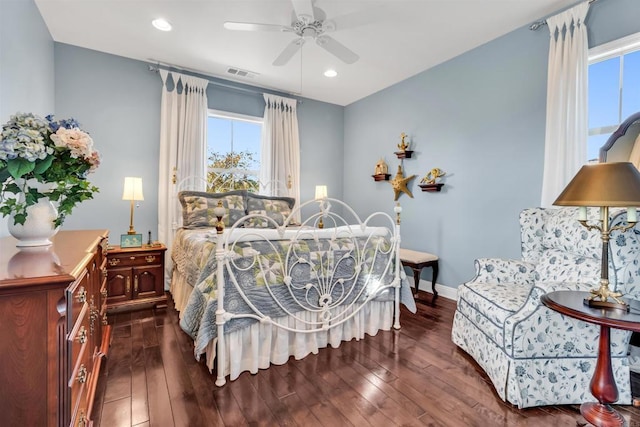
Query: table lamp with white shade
x,y
132,192
321,194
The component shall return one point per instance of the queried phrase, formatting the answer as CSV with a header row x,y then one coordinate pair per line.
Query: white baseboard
x,y
443,291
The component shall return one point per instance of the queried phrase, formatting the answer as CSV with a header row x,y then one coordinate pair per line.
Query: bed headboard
x,y
223,181
620,144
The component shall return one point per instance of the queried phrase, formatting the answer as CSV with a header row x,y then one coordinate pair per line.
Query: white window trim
x,y
603,52
235,116
241,117
614,48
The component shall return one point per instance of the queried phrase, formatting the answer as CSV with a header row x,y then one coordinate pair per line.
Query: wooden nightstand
x,y
135,277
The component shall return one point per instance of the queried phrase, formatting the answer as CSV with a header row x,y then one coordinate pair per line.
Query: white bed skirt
x,y
261,344
180,291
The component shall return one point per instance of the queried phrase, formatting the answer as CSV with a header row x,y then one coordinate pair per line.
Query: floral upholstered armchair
x,y
533,355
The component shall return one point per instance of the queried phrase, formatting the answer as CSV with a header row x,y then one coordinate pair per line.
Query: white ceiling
x,y
395,39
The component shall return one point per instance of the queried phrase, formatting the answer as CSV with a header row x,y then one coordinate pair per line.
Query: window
x,y
233,151
614,88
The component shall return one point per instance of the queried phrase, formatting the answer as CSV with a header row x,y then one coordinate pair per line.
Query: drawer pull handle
x,y
114,261
82,335
128,284
82,420
135,284
132,258
82,294
82,375
150,258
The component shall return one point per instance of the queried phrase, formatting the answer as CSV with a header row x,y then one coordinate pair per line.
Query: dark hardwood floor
x,y
414,376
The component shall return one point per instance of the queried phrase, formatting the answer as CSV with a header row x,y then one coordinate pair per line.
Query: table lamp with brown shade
x,y
604,185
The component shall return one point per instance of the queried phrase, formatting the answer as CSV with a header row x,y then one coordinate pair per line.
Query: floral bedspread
x,y
191,250
281,277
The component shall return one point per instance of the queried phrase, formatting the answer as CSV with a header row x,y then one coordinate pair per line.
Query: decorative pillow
x,y
197,208
276,208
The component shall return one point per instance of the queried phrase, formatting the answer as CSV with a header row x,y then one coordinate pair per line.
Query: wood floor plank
x,y
160,412
117,413
253,406
319,369
230,411
119,366
266,385
139,399
184,402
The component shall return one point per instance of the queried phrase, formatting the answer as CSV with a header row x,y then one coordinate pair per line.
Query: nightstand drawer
x,y
134,260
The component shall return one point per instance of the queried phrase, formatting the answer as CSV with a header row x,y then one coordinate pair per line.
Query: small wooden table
x,y
603,385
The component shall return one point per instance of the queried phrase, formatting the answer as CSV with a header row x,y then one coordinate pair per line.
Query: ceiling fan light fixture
x,y
330,73
161,24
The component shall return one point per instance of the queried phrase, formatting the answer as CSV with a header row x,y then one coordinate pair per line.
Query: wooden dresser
x,y
53,328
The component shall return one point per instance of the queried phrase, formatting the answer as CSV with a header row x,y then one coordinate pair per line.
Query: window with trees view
x,y
614,88
233,151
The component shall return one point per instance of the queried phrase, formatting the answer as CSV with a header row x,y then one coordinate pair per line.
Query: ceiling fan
x,y
308,23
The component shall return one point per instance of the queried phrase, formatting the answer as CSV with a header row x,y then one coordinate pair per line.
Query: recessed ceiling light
x,y
161,24
330,73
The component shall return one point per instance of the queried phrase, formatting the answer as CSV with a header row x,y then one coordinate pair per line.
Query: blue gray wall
x,y
26,68
481,118
118,101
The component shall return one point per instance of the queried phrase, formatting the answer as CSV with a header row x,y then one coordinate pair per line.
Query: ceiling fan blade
x,y
336,48
304,8
249,26
288,52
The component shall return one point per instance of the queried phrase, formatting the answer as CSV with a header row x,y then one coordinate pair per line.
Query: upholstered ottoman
x,y
416,261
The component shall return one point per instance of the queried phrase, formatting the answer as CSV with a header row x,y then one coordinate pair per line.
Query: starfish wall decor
x,y
399,183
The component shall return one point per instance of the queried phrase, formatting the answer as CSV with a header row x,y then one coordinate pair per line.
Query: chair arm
x,y
537,331
498,270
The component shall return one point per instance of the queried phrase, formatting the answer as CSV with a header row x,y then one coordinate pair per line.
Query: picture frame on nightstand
x,y
131,240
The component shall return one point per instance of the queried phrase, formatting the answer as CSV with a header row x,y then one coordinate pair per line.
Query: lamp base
x,y
606,304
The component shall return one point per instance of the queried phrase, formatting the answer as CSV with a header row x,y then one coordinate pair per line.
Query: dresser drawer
x,y
79,381
134,260
77,296
79,407
78,337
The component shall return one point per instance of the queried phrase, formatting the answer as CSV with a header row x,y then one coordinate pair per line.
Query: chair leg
x,y
416,278
433,280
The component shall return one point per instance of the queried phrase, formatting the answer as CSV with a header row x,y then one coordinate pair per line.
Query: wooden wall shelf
x,y
406,154
431,187
381,177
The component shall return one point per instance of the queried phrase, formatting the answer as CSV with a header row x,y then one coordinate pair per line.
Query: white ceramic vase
x,y
39,226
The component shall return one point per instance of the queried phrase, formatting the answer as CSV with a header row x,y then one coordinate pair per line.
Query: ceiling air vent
x,y
241,73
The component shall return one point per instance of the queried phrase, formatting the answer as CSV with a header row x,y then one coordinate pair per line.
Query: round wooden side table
x,y
603,385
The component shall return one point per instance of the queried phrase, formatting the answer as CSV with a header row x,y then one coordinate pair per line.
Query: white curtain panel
x,y
183,149
280,150
565,150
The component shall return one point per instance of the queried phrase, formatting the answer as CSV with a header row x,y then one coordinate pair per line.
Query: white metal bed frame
x,y
330,313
